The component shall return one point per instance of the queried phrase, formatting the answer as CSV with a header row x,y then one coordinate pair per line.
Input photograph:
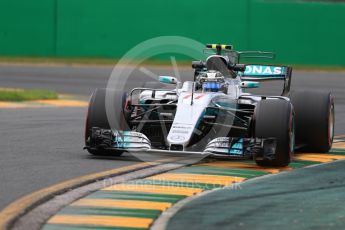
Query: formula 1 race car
x,y
213,114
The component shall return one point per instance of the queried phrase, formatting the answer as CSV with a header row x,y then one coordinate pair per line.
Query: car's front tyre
x,y
97,117
274,118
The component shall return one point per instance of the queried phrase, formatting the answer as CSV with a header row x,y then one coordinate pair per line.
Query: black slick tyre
x,y
97,117
274,118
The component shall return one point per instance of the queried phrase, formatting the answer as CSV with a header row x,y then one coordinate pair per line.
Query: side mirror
x,y
238,67
249,84
198,64
168,80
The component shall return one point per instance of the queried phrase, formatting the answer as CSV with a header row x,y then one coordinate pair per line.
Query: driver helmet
x,y
220,63
212,81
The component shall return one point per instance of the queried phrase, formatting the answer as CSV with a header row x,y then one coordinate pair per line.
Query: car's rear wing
x,y
267,73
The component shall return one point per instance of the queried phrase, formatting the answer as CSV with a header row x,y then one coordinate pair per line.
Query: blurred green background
x,y
300,32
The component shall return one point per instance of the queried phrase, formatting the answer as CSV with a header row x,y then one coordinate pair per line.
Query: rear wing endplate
x,y
267,73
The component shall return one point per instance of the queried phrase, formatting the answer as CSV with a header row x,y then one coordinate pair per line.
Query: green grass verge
x,y
83,61
58,61
26,95
94,61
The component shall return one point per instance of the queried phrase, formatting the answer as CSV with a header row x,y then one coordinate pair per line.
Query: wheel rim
x,y
292,136
331,125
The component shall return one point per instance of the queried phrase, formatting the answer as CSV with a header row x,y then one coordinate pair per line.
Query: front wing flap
x,y
225,147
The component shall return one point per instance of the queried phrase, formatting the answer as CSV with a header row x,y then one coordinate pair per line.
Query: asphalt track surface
x,y
40,147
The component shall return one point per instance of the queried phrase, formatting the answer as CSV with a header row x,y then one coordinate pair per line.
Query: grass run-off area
x,y
26,94
98,61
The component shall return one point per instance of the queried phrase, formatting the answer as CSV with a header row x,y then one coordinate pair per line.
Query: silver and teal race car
x,y
213,114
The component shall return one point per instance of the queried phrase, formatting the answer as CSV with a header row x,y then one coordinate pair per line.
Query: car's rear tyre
x,y
275,119
97,117
314,120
